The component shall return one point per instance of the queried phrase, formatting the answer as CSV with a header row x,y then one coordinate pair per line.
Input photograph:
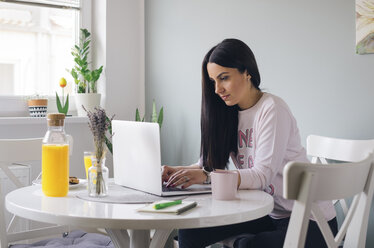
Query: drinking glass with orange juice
x,y
87,161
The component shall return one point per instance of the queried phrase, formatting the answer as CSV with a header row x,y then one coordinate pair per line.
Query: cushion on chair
x,y
73,239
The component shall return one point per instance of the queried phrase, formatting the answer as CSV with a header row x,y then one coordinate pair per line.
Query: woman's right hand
x,y
183,176
167,171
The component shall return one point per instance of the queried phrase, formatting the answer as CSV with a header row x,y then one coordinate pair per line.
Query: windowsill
x,y
14,109
38,120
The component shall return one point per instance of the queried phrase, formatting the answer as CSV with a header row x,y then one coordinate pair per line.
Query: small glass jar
x,y
55,158
98,176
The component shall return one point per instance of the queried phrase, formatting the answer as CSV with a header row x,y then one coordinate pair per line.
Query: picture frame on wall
x,y
364,26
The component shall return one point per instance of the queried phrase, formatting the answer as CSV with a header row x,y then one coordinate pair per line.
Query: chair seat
x,y
74,239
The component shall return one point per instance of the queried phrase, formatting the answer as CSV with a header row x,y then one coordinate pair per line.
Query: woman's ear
x,y
249,77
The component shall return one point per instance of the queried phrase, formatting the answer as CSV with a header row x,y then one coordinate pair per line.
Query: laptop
x,y
137,159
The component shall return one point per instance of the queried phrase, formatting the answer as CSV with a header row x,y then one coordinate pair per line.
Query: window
x,y
35,45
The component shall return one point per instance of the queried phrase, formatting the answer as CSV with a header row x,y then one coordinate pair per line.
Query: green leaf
x,y
58,102
85,33
65,109
137,115
78,61
160,116
87,76
82,88
107,140
74,74
96,74
86,44
62,109
154,112
108,144
85,50
85,58
143,118
110,124
84,70
92,87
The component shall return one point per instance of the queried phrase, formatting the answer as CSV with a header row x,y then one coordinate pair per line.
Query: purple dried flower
x,y
98,124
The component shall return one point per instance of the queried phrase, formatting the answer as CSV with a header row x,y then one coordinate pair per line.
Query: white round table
x,y
29,202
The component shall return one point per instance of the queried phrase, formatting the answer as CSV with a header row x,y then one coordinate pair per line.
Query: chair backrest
x,y
322,149
31,149
308,183
19,151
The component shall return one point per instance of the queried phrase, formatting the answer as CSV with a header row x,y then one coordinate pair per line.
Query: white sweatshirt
x,y
268,138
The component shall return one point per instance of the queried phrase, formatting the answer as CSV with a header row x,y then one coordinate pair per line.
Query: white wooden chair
x,y
322,149
20,151
307,183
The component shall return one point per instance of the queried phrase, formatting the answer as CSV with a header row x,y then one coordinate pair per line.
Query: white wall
x,y
118,44
118,29
305,52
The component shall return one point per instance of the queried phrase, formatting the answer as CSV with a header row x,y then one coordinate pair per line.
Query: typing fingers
x,y
166,172
176,179
185,181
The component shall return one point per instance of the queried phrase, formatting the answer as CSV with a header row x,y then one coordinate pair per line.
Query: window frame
x,y
17,103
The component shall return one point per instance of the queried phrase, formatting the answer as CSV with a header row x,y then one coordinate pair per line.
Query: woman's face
x,y
232,86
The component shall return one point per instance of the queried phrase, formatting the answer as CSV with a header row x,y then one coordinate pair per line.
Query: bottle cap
x,y
55,119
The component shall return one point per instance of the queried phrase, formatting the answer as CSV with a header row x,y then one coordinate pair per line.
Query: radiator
x,y
23,174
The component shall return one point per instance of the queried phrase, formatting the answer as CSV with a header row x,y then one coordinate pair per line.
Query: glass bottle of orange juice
x,y
55,158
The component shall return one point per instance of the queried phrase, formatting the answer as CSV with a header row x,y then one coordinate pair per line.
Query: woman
x,y
260,134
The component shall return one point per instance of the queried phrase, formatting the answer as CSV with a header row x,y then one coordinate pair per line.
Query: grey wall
x,y
305,52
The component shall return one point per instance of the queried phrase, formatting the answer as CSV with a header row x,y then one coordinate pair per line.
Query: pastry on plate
x,y
73,180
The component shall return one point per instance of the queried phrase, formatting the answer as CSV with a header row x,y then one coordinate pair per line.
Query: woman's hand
x,y
167,171
185,177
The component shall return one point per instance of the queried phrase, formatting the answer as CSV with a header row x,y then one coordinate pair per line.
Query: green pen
x,y
167,204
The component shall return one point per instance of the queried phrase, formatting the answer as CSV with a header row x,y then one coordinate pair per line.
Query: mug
x,y
224,185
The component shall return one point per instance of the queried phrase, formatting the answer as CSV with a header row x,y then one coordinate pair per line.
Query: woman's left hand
x,y
186,177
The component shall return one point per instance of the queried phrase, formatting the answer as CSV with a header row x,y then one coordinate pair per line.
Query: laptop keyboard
x,y
190,189
172,189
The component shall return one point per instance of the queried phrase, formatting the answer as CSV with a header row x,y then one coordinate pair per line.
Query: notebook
x,y
137,159
177,209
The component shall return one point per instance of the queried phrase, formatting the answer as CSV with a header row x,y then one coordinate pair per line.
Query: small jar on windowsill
x,y
37,107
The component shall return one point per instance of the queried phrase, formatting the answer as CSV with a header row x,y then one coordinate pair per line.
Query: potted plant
x,y
84,78
62,105
37,105
159,118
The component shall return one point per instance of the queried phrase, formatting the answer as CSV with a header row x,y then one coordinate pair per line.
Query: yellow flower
x,y
62,82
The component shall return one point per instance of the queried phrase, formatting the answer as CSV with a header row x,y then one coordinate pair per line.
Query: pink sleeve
x,y
273,131
200,162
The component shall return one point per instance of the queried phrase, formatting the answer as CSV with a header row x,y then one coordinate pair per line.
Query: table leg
x,y
139,238
160,237
120,238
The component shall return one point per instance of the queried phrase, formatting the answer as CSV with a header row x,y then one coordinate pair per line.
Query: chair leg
x,y
298,225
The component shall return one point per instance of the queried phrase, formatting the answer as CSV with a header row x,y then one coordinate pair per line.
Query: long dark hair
x,y
219,122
